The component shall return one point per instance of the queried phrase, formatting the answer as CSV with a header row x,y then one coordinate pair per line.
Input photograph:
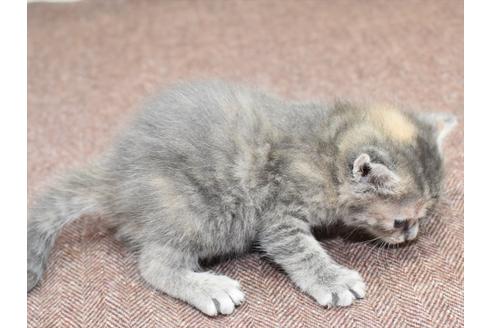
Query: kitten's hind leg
x,y
173,272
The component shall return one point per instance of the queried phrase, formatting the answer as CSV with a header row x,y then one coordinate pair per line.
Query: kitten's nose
x,y
411,230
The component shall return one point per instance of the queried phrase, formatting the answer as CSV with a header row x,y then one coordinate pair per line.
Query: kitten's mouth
x,y
382,237
394,237
393,240
402,239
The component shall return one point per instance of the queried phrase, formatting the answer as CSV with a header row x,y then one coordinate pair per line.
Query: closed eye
x,y
399,224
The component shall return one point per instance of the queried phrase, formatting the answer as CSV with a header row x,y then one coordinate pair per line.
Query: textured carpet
x,y
90,65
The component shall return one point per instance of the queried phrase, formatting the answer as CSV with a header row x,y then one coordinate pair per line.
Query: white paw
x,y
342,291
213,294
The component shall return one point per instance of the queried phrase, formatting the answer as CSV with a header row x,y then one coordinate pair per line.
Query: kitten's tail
x,y
81,192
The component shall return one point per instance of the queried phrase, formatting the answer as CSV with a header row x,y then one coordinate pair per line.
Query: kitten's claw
x,y
347,287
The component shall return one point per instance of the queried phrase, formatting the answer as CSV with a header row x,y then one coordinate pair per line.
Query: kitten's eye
x,y
399,224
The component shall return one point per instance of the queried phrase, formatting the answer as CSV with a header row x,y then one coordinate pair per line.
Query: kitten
x,y
209,169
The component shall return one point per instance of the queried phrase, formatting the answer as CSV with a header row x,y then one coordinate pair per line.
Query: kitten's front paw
x,y
346,287
214,294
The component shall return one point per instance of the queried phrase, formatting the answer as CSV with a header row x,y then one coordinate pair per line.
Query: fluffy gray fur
x,y
209,169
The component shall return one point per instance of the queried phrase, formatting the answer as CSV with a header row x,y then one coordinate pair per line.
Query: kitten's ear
x,y
375,174
441,123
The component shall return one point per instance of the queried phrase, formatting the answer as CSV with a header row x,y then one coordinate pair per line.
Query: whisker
x,y
350,233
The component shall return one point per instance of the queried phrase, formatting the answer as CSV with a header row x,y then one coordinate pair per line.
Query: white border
x,y
478,182
13,150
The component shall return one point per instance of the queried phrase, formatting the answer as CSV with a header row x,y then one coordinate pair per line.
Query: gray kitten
x,y
210,169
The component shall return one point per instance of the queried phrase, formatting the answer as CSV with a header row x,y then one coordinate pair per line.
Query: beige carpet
x,y
90,65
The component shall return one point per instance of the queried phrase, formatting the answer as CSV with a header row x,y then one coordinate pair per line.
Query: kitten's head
x,y
391,185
